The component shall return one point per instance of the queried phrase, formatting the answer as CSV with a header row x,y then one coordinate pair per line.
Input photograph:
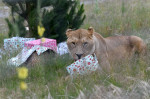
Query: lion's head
x,y
80,42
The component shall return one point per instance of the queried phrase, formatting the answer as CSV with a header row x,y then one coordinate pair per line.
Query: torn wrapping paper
x,y
21,57
31,47
49,43
36,45
25,54
83,66
15,43
62,48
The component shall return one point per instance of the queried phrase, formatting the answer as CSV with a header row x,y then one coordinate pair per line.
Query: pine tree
x,y
63,14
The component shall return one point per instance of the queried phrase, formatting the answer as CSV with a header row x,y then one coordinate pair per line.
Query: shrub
x,y
63,14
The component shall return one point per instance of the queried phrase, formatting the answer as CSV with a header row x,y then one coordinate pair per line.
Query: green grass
x,y
51,77
2,36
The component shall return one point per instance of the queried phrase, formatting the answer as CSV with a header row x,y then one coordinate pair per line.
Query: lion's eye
x,y
73,43
85,43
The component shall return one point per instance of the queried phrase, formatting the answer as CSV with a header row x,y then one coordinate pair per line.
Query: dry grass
x,y
128,80
115,17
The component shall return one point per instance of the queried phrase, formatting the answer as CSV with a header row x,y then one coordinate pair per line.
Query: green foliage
x,y
61,17
63,14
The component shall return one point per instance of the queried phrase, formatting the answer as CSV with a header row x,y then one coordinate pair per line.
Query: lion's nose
x,y
79,55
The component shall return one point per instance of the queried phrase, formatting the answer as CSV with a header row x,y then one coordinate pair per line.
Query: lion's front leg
x,y
104,62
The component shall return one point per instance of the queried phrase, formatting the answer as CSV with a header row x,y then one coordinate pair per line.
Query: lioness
x,y
83,42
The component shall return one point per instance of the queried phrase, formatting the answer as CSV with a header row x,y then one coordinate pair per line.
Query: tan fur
x,y
84,42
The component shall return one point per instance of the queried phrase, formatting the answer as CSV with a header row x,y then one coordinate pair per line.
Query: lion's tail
x,y
138,44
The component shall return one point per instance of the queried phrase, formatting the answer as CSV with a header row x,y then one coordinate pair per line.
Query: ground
x,y
128,80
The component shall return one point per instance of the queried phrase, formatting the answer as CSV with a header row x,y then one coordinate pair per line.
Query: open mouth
x,y
76,59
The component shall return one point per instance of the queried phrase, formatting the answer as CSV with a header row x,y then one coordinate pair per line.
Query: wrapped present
x,y
83,66
25,54
21,57
15,43
30,47
62,48
48,43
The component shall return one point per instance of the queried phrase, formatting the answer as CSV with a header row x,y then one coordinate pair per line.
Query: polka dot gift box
x,y
62,48
83,66
15,43
49,43
30,47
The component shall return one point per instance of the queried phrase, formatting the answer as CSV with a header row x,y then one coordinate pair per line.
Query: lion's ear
x,y
91,30
68,32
